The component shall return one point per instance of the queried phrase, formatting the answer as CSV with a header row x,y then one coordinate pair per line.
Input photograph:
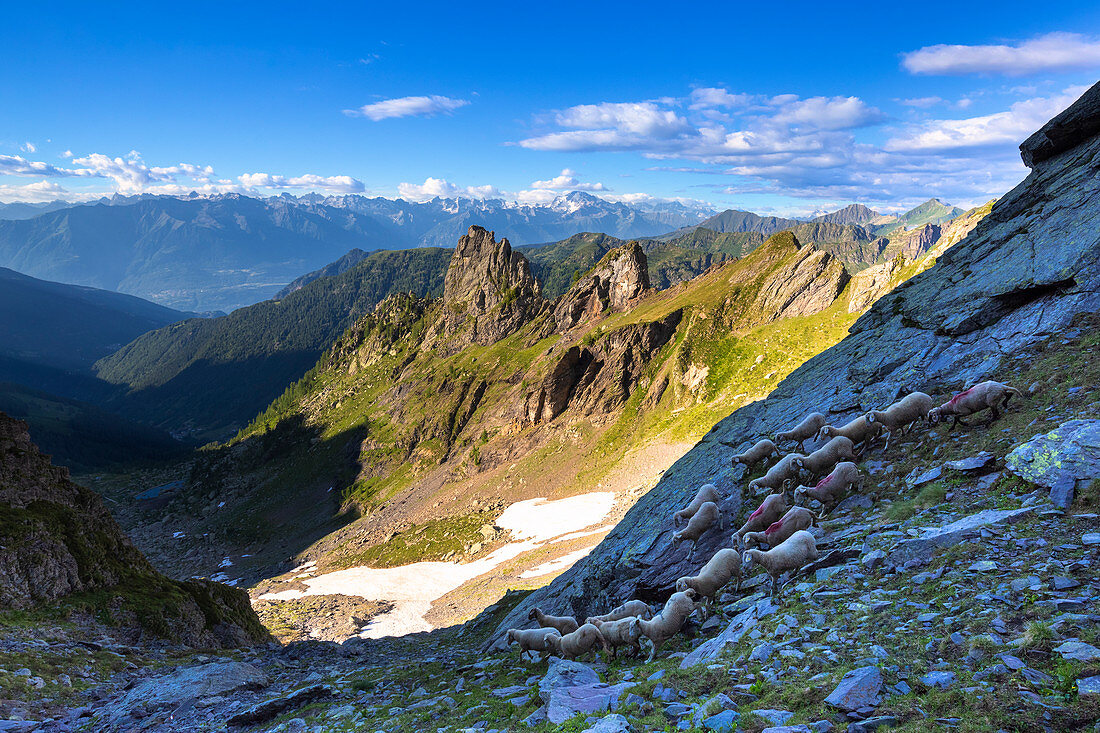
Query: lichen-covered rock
x,y
58,539
1068,456
489,291
616,282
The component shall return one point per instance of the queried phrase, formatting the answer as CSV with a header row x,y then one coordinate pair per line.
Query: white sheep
x,y
983,396
723,566
637,608
564,624
832,488
533,640
580,642
803,431
858,430
783,471
706,492
703,519
762,450
799,549
825,458
669,621
903,414
772,508
799,517
622,632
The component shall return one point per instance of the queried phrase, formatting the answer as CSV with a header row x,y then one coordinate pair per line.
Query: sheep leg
x,y
775,587
995,414
652,650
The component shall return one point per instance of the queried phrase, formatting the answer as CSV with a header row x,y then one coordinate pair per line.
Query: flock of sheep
x,y
783,528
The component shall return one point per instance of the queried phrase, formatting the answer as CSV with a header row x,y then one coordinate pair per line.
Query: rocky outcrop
x,y
806,285
615,283
1075,124
57,539
868,285
597,379
913,244
489,291
1020,277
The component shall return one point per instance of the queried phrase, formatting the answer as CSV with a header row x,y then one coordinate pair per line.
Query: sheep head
x,y
533,613
935,415
681,584
511,636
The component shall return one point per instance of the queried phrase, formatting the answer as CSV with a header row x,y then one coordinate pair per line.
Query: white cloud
x,y
710,97
567,180
34,192
336,184
1001,128
828,113
442,188
29,147
407,107
922,102
17,165
1046,53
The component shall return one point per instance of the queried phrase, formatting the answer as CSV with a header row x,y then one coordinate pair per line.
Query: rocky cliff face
x,y
598,379
615,283
489,292
58,540
809,284
1021,276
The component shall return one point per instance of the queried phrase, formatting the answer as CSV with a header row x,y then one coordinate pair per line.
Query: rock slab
x,y
859,688
921,548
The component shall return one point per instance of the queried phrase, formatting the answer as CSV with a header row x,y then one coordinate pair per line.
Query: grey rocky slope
x,y
1023,274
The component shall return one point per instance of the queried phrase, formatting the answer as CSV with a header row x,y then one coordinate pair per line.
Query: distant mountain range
x,y
224,252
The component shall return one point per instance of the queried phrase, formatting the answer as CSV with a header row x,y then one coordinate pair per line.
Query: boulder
x,y
1074,125
921,548
185,686
613,723
858,689
565,673
1062,460
269,709
738,627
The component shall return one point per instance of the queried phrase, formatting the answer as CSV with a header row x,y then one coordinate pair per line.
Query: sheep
x,y
902,414
533,640
699,524
722,567
580,642
762,450
706,492
797,518
778,474
771,509
803,431
830,489
668,622
799,549
858,431
564,624
825,458
623,632
983,396
637,608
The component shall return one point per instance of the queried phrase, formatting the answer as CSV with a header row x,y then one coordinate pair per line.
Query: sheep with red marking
x,y
803,431
831,489
984,396
706,492
797,518
799,549
824,459
771,509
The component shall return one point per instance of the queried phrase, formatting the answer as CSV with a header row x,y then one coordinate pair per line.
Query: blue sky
x,y
775,107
